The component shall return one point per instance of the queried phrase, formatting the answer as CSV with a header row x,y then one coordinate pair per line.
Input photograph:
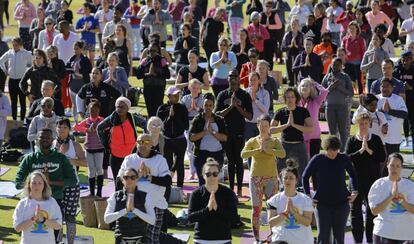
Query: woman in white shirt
x,y
38,214
391,198
290,212
46,36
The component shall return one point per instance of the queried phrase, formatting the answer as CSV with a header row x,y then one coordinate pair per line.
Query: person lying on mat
x,y
132,210
211,208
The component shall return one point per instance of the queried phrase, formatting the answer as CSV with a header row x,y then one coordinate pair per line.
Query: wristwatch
x,y
214,132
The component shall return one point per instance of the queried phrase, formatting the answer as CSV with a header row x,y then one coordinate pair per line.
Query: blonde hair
x,y
223,39
362,116
154,119
194,82
210,162
46,192
310,82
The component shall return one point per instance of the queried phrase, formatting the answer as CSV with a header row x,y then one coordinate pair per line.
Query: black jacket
x,y
180,53
85,67
37,76
197,126
35,108
176,125
161,70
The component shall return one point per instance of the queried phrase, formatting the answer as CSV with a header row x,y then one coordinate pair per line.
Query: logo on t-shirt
x,y
291,223
396,207
39,227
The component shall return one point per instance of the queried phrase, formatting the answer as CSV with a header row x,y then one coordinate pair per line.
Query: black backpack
x,y
18,138
133,94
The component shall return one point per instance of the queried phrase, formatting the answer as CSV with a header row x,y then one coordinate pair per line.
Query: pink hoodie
x,y
25,14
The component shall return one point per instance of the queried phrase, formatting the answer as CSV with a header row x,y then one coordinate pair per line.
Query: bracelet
x,y
286,214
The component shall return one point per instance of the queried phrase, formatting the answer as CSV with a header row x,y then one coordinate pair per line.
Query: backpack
x,y
18,138
133,94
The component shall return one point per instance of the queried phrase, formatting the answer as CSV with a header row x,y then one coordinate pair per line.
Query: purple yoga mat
x,y
247,237
3,171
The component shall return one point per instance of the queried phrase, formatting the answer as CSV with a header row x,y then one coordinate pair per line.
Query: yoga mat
x,y
403,145
323,125
8,189
183,237
248,238
3,171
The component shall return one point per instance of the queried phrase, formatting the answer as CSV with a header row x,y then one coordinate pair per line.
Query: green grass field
x,y
7,233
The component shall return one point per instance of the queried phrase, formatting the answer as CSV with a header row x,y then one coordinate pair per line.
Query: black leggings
x,y
6,10
116,163
27,39
17,94
153,96
234,146
3,78
357,220
174,152
314,147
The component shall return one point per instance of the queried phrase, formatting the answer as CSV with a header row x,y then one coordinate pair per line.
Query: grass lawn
x,y
7,233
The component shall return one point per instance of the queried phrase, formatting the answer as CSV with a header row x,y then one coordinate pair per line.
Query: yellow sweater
x,y
263,163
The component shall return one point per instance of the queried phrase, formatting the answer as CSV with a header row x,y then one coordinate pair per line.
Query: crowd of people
x,y
333,50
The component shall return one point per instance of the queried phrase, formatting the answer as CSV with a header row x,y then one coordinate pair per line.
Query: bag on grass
x,y
100,207
18,138
88,211
177,195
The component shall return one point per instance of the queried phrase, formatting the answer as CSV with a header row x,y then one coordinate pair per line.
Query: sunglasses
x,y
144,142
153,51
132,177
49,23
155,126
252,56
209,174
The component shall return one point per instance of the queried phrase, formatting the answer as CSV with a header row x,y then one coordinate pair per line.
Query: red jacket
x,y
246,69
354,49
259,32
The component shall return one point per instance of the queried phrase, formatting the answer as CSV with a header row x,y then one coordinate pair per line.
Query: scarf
x,y
63,141
50,35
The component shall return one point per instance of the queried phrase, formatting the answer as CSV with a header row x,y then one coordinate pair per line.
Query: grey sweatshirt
x,y
373,69
338,95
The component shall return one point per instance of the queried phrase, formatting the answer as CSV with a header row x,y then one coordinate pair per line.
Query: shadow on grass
x,y
5,232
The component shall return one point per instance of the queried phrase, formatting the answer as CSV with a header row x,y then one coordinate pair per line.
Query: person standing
x,y
235,13
24,13
395,111
14,64
235,105
263,149
307,63
292,44
5,110
157,19
175,118
104,15
332,196
367,154
337,109
292,122
258,34
65,41
88,26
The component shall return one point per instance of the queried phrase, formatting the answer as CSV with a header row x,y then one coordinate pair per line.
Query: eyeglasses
x,y
132,177
49,23
209,174
144,142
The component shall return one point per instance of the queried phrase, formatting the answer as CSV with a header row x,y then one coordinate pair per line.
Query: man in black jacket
x,y
175,118
48,88
308,63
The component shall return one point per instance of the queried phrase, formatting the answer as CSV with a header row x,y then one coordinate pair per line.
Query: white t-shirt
x,y
290,231
158,167
395,124
36,234
65,47
395,222
104,18
333,26
408,25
